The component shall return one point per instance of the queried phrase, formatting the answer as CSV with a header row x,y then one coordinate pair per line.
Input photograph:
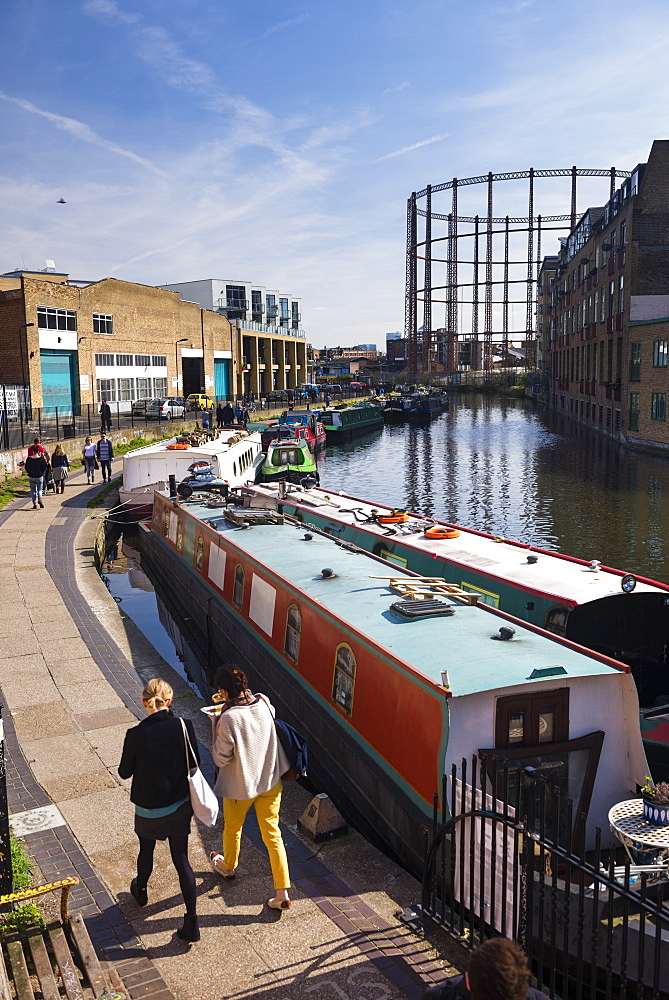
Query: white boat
x,y
234,456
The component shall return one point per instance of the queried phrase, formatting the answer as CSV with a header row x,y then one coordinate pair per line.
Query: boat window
x,y
528,720
291,643
199,552
286,456
556,620
234,468
344,678
485,596
238,589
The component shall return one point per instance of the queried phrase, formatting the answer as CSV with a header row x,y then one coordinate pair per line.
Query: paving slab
x,y
86,695
40,721
56,756
104,718
58,651
108,744
37,599
78,786
63,628
100,820
30,688
26,641
22,664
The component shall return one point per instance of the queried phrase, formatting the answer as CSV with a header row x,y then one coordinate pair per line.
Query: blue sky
x,y
277,142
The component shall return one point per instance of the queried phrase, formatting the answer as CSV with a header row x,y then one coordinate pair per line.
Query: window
x,y
142,360
344,678
102,323
660,354
635,361
623,233
256,306
291,642
125,389
485,596
143,388
633,421
106,389
612,297
238,588
124,360
530,719
160,387
272,308
159,361
104,360
621,293
658,406
56,319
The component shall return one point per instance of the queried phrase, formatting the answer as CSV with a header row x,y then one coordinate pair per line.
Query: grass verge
x,y
28,915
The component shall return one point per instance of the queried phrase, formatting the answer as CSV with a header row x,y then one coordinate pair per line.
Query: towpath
x,y
72,666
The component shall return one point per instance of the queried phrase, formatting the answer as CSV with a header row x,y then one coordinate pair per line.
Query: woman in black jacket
x,y
154,755
36,465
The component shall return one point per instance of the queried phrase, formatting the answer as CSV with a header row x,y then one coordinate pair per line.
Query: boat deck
x,y
567,580
461,643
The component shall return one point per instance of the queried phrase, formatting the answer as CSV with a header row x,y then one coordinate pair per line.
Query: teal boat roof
x,y
461,643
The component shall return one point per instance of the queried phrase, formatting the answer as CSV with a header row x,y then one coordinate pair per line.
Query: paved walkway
x,y
72,666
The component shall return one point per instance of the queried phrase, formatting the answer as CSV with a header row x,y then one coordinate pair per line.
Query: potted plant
x,y
655,801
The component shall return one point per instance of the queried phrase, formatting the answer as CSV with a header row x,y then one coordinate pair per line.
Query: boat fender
x,y
395,517
439,531
178,447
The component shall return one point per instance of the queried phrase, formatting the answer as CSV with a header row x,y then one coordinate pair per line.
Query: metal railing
x,y
508,859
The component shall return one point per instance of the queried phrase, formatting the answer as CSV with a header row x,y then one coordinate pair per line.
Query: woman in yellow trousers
x,y
251,761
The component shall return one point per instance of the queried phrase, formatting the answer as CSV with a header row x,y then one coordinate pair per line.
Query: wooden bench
x,y
62,957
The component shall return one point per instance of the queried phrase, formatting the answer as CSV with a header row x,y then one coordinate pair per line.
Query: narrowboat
x,y
304,424
605,609
396,408
424,407
392,681
343,424
289,459
234,455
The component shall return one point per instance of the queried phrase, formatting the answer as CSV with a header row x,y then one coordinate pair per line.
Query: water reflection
x,y
503,466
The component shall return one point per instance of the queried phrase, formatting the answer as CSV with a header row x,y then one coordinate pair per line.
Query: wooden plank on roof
x,y
43,968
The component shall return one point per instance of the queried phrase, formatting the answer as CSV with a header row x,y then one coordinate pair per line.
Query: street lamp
x,y
176,359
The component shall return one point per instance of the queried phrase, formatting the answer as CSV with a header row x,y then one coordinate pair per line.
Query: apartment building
x,y
603,312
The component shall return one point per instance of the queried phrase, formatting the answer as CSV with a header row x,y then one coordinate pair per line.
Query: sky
x,y
277,142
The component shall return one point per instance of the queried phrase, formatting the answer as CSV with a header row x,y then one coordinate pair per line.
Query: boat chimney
x,y
173,487
505,633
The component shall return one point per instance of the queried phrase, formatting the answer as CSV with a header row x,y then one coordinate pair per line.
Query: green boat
x,y
345,423
290,459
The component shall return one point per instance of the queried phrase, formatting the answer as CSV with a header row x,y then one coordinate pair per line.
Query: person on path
x,y
60,465
244,419
36,465
104,453
228,415
206,422
251,761
237,413
156,758
219,415
89,451
105,416
328,398
38,448
497,970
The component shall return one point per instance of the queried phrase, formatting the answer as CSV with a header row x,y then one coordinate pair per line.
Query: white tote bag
x,y
202,797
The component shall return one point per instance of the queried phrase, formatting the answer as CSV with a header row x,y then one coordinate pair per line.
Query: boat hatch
x,y
246,516
422,609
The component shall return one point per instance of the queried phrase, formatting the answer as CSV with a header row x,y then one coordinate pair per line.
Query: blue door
x,y
59,381
221,378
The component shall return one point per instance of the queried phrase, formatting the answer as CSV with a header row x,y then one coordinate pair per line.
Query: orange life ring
x,y
437,531
395,517
178,447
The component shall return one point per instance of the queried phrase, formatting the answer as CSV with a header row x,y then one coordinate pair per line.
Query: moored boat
x,y
392,691
349,421
288,459
599,607
233,453
304,424
424,407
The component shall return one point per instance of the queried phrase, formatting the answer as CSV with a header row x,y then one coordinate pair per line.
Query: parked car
x,y
357,385
198,401
331,390
285,395
166,409
138,407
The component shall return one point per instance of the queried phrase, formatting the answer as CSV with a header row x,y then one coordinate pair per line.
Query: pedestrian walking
x,y
206,423
36,465
89,451
219,415
105,416
104,452
228,415
237,413
245,417
327,398
60,466
497,970
157,759
38,448
251,761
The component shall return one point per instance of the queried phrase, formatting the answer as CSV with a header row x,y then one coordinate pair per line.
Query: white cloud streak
x,y
416,145
395,90
282,25
79,130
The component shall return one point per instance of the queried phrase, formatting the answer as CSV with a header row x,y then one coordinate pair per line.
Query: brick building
x,y
603,312
76,342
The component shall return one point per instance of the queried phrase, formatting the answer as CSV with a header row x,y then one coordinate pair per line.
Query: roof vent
x,y
327,573
308,537
595,565
505,633
422,609
532,559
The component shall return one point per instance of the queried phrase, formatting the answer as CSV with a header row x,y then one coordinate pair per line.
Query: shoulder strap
x,y
187,746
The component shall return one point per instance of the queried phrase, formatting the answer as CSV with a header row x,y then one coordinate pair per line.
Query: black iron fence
x,y
20,423
507,857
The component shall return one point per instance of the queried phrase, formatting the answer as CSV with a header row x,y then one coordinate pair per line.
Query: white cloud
x,y
108,11
281,25
416,145
395,90
79,130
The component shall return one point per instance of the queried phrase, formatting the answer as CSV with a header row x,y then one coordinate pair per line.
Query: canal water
x,y
497,465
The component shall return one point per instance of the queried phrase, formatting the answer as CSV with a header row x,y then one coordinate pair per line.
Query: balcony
x,y
271,329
